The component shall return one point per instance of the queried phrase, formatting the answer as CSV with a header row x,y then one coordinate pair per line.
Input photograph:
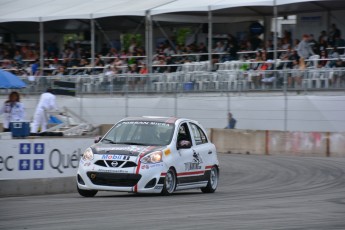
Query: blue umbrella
x,y
10,81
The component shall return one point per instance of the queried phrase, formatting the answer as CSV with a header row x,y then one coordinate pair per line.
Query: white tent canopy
x,y
48,10
207,5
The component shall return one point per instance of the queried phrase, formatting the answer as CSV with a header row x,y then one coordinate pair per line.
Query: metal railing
x,y
196,80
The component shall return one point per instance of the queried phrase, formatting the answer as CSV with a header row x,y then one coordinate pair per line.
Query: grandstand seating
x,y
194,77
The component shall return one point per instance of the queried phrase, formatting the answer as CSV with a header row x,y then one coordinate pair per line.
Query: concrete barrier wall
x,y
297,143
27,187
239,141
279,142
337,144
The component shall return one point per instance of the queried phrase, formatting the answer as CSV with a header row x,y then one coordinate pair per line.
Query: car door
x,y
202,149
185,163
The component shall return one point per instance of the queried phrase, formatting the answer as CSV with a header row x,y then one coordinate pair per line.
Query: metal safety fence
x,y
222,80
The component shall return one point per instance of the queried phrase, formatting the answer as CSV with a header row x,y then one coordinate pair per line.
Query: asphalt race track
x,y
255,192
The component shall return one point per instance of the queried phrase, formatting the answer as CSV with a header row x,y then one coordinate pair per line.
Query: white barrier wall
x,y
41,157
279,142
255,112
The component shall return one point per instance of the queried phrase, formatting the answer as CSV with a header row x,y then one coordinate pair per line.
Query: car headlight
x,y
152,158
88,154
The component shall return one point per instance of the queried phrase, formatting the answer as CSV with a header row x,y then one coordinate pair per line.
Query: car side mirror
x,y
97,139
184,144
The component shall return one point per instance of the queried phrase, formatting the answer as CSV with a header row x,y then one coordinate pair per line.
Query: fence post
x,y
267,144
328,144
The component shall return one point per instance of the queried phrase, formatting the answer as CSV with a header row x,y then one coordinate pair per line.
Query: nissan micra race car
x,y
150,155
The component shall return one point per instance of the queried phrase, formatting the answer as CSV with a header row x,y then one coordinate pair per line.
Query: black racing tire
x,y
212,182
87,193
170,182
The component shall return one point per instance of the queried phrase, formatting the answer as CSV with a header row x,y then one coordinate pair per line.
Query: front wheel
x,y
87,193
212,181
169,183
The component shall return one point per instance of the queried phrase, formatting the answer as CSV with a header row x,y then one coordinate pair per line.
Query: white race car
x,y
150,155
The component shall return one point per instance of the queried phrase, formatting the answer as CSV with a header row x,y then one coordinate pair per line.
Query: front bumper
x,y
143,178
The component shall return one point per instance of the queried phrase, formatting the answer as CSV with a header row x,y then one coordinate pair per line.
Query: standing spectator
x,y
202,49
13,110
339,42
322,45
46,103
304,50
313,44
35,68
323,36
231,122
333,33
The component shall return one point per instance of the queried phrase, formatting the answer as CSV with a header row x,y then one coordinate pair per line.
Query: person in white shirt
x,y
13,110
47,103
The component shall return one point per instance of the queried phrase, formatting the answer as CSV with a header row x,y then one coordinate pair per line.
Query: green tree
x,y
126,40
182,34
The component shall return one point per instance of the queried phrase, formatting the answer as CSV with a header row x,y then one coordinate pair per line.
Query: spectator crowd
x,y
73,59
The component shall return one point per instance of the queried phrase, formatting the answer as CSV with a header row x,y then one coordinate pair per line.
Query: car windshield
x,y
140,133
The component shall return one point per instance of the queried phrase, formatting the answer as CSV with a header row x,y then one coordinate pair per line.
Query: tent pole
x,y
148,40
275,15
41,46
210,37
275,12
92,22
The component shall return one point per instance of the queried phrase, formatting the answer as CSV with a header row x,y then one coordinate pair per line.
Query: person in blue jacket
x,y
231,122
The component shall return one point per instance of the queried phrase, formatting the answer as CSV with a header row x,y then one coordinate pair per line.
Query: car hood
x,y
122,149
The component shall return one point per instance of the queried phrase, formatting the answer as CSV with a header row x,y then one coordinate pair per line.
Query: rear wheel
x,y
212,181
87,193
169,183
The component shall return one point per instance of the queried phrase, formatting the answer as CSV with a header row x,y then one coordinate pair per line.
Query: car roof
x,y
170,120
